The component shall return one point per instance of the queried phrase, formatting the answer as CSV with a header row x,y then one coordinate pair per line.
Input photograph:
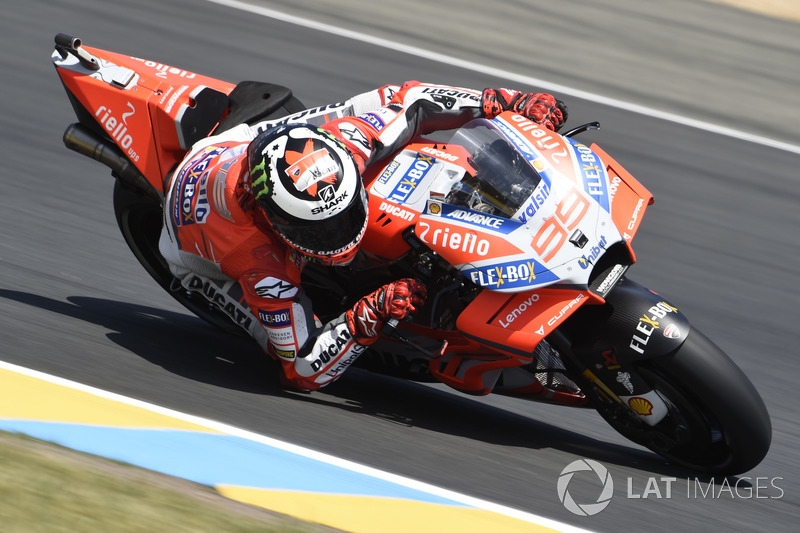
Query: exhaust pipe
x,y
81,139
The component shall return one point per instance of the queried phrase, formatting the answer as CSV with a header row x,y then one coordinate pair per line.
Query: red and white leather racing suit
x,y
217,243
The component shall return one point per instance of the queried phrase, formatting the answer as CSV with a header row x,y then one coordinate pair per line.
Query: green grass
x,y
46,488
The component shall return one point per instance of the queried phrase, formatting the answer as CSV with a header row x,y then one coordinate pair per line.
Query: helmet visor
x,y
330,236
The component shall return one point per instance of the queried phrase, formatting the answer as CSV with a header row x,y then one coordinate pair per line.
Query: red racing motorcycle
x,y
522,235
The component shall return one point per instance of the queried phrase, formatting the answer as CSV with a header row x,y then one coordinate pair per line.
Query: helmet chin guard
x,y
309,189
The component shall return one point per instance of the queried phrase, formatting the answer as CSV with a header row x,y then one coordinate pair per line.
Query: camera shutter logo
x,y
585,509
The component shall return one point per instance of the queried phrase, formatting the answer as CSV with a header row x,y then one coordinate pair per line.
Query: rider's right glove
x,y
398,300
542,108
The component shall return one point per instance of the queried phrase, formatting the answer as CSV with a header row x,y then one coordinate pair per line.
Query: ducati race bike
x,y
523,237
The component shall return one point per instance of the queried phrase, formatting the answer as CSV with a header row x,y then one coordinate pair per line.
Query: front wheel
x,y
717,421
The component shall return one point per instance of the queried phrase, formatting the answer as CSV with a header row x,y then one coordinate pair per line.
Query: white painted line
x,y
300,450
511,76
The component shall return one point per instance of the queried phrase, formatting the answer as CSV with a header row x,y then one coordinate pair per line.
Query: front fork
x,y
605,344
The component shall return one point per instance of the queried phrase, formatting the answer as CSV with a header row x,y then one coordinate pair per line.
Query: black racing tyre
x,y
717,422
139,218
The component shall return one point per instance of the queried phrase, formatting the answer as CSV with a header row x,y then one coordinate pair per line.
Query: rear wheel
x,y
139,218
717,421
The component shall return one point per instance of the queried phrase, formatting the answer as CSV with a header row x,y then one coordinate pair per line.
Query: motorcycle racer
x,y
248,208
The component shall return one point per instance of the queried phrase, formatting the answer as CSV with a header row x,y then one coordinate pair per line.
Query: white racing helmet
x,y
308,186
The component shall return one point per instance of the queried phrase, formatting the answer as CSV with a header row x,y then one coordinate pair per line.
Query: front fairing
x,y
509,218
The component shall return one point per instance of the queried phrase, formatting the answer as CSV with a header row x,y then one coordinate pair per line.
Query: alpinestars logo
x,y
585,509
275,288
355,136
368,323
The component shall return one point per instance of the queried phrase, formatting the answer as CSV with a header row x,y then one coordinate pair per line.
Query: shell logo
x,y
641,406
435,209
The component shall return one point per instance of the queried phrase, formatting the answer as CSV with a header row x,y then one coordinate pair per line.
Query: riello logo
x,y
116,127
163,70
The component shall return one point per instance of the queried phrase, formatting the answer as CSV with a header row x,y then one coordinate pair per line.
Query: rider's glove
x,y
542,108
398,300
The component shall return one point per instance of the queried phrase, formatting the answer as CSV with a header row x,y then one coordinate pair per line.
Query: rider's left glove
x,y
398,300
542,108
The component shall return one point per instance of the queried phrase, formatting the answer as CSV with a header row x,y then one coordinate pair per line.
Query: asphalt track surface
x,y
721,242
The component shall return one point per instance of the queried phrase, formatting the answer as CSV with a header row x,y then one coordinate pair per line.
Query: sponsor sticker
x,y
624,378
187,188
285,354
651,321
641,406
271,287
519,310
275,319
440,154
537,200
412,177
513,275
373,120
593,174
355,136
593,253
390,208
473,218
388,172
672,332
312,168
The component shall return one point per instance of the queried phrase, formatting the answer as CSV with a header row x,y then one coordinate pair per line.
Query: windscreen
x,y
502,179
